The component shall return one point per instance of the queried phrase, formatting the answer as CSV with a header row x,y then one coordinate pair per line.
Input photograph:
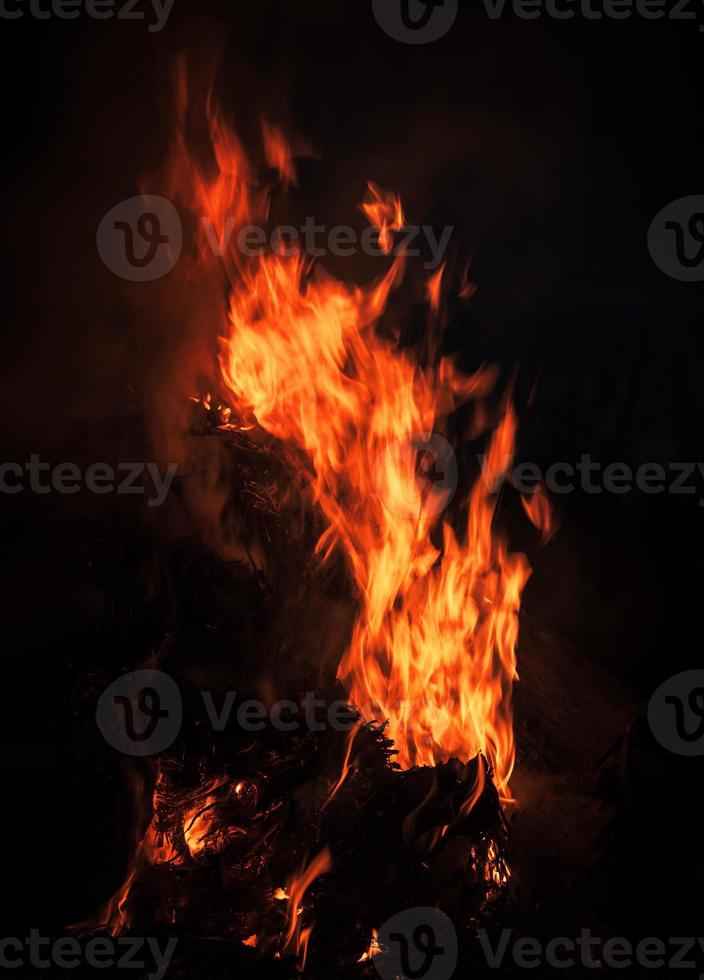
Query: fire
x,y
373,949
539,512
433,649
197,824
358,419
385,212
297,935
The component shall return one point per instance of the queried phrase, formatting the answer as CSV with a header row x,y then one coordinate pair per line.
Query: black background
x,y
549,146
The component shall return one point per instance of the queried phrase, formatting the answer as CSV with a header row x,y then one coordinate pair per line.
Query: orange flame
x,y
385,212
297,936
278,153
373,949
539,512
433,649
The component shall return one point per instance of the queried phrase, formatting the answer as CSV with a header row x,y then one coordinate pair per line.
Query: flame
x,y
433,287
433,649
385,212
373,949
298,936
539,512
278,153
345,764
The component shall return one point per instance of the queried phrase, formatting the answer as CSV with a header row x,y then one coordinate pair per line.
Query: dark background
x,y
550,146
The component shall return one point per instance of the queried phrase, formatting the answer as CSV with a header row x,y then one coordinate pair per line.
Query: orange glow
x,y
385,212
537,507
297,936
373,949
433,648
197,823
433,286
278,153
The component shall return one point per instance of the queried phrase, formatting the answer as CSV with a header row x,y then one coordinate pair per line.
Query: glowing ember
x,y
197,824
